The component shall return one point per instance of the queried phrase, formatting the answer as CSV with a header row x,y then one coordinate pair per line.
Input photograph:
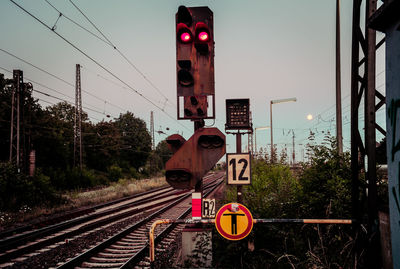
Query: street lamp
x,y
278,101
255,132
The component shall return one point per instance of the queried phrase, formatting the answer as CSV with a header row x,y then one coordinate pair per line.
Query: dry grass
x,y
77,199
124,187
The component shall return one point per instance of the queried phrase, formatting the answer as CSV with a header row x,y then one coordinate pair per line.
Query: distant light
x,y
185,37
309,117
203,36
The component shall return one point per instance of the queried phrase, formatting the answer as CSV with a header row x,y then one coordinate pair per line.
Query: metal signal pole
x,y
239,150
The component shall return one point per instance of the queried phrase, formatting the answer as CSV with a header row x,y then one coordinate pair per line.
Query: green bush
x,y
322,190
134,173
18,190
326,183
75,178
114,172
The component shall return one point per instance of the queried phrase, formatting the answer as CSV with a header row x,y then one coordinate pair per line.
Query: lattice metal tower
x,y
363,154
16,118
78,118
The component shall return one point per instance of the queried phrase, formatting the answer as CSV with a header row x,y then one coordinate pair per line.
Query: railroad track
x,y
71,215
32,241
129,248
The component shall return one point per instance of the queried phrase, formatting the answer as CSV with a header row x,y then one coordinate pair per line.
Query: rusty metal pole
x,y
239,150
339,136
355,103
374,250
199,185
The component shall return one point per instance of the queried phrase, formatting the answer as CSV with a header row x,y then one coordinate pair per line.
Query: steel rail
x,y
138,256
91,252
6,256
72,214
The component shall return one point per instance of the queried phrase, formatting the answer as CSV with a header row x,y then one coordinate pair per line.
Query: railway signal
x,y
195,63
194,158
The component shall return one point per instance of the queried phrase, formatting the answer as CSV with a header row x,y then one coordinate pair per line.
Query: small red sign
x,y
196,205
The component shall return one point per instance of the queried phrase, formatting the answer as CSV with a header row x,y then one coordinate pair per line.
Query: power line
x,y
77,24
97,63
116,84
121,54
50,103
60,99
51,89
57,77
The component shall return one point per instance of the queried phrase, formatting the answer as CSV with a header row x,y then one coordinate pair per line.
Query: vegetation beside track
x,y
79,198
322,189
112,149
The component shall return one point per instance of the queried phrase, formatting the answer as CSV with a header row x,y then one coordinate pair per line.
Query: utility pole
x,y
16,103
272,138
339,136
250,138
152,129
293,153
78,118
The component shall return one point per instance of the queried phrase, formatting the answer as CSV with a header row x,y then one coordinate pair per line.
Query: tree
x,y
102,144
160,156
54,137
283,157
135,141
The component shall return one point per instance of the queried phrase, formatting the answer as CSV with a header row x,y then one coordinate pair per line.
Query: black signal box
x,y
238,114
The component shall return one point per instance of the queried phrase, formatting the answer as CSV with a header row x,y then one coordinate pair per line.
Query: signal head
x,y
184,35
202,38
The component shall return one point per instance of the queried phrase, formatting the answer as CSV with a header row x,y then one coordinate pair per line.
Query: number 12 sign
x,y
238,168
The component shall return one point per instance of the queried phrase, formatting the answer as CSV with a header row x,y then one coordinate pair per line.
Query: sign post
x,y
238,118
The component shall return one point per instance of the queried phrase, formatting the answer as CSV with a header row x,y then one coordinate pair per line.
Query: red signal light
x,y
186,37
183,33
203,36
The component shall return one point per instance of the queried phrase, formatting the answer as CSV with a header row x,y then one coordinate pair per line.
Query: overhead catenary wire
x,y
52,89
77,24
97,63
57,77
60,99
50,103
113,82
121,54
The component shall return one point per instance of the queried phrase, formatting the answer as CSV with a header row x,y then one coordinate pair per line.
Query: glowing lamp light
x,y
185,37
203,36
309,117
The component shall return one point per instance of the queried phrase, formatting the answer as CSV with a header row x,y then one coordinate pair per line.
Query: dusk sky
x,y
264,50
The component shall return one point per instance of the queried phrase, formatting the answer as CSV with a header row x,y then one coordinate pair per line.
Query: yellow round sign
x,y
234,221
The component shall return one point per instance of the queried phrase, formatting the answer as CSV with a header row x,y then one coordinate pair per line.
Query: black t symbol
x,y
234,221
